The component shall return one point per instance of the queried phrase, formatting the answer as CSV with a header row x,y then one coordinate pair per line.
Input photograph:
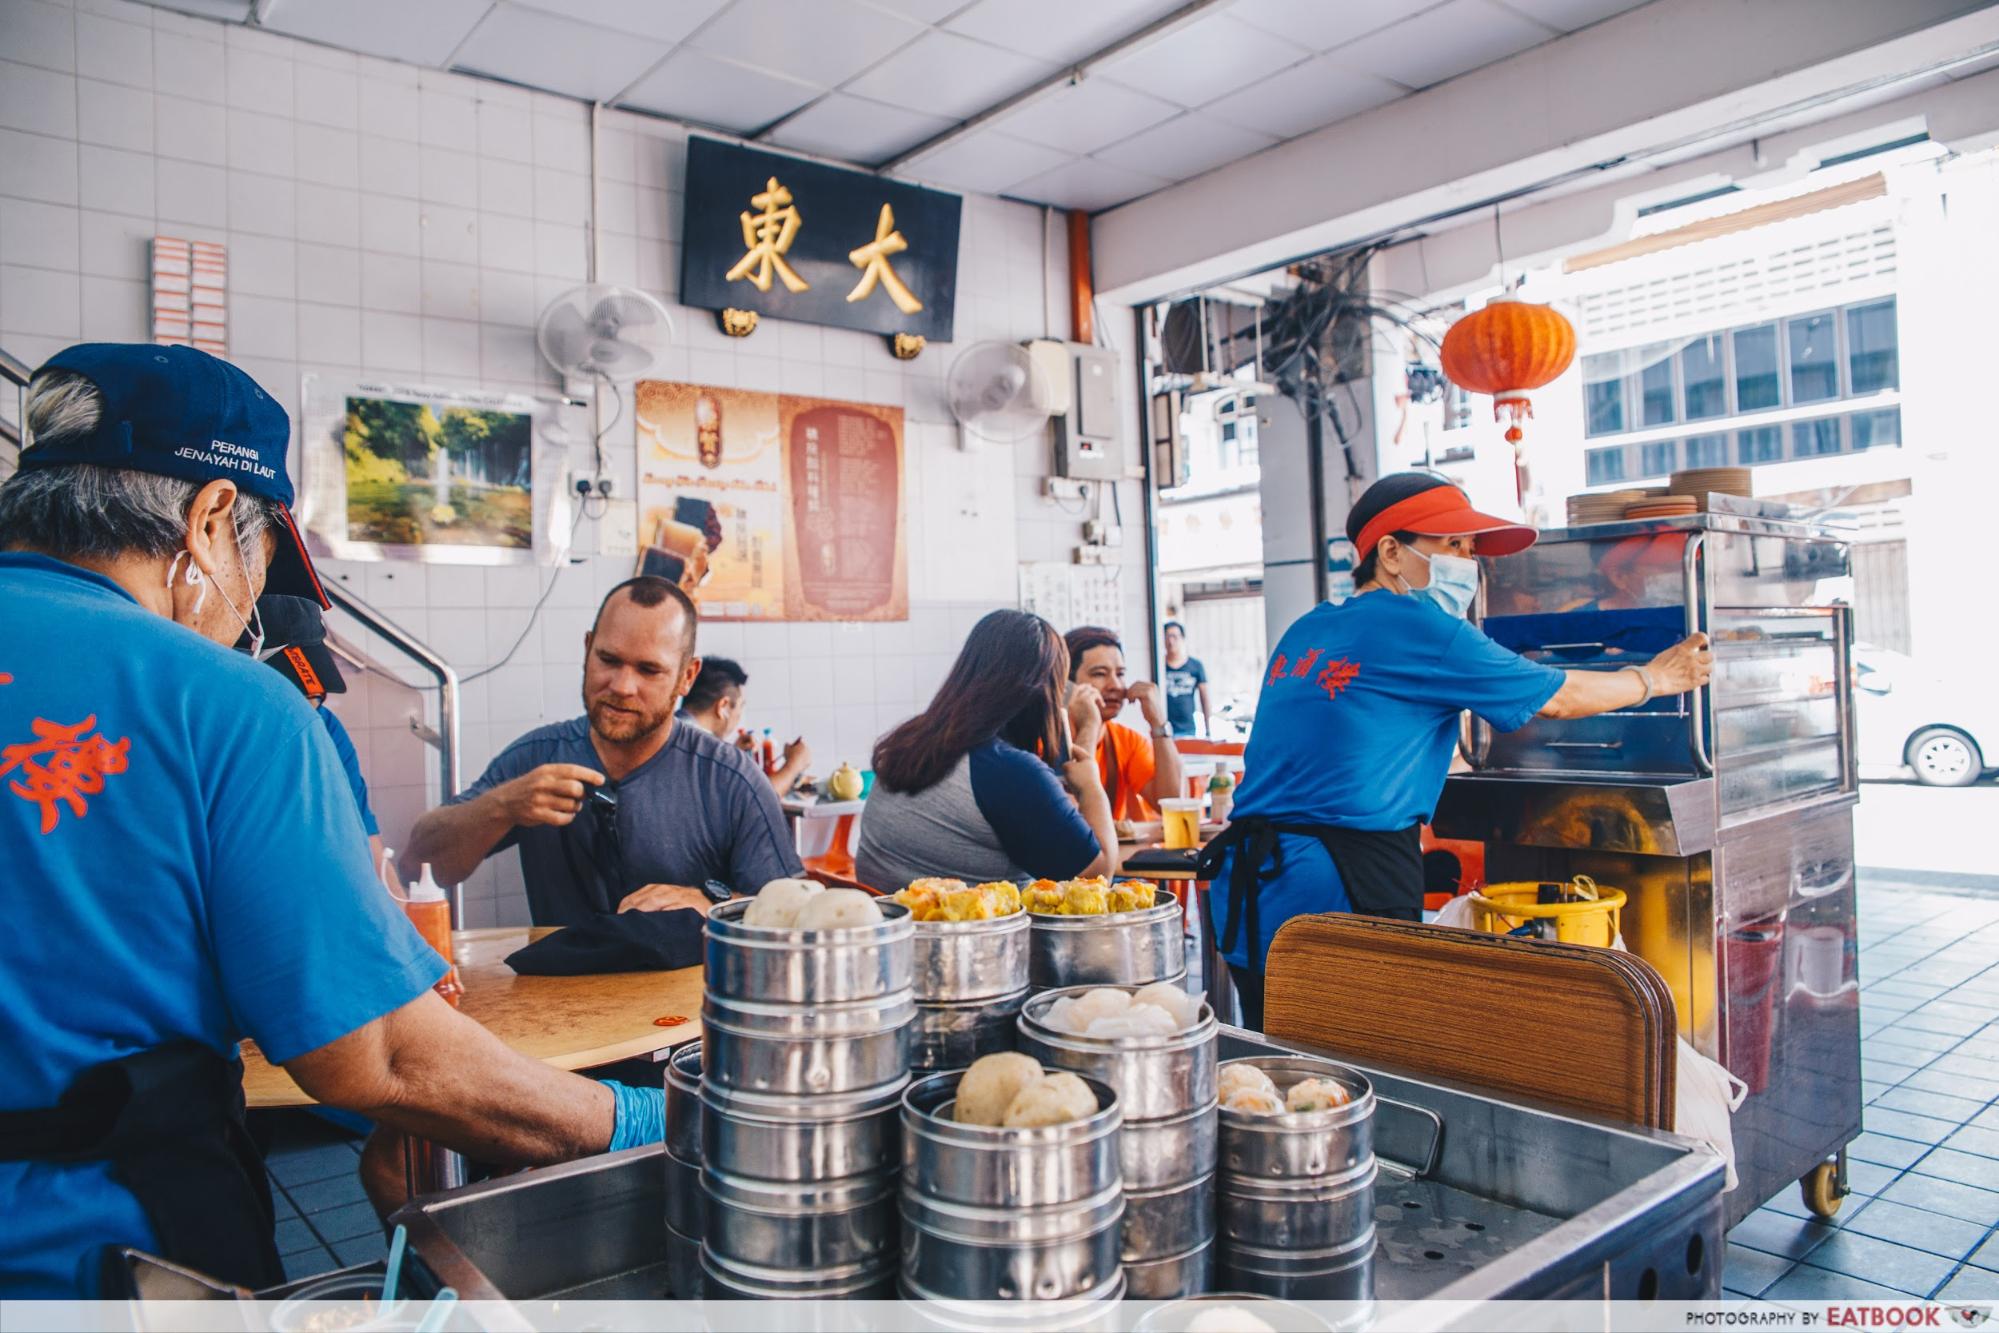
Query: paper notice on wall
x,y
1070,595
618,530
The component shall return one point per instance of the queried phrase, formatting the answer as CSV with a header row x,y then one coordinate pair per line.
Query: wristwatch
x,y
1162,731
717,891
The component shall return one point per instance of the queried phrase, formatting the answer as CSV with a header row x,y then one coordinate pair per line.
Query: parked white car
x,y
1944,729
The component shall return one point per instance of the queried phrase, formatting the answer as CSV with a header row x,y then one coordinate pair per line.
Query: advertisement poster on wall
x,y
770,506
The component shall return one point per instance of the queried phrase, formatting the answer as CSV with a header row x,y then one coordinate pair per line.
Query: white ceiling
x,y
866,81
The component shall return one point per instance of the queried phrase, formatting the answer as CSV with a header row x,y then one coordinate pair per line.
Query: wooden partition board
x,y
1562,1025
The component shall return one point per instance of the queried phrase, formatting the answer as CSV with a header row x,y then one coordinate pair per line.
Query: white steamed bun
x,y
1315,1094
1141,1020
839,909
1053,1099
1185,1008
1228,1319
1238,1074
991,1084
779,902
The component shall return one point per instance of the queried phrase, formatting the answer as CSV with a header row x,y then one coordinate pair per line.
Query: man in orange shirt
x,y
1139,769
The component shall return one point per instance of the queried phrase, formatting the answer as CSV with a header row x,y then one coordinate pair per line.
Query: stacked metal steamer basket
x,y
685,1204
1297,1191
805,1057
970,980
1166,1085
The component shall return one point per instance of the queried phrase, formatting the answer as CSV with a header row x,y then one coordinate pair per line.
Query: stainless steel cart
x,y
1725,816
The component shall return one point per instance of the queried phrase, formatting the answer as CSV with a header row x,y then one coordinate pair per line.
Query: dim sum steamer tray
x,y
1478,1199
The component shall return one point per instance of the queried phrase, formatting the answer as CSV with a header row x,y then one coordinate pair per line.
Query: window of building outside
x,y
1828,356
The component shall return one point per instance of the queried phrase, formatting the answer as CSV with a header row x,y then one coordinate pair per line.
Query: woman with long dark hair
x,y
971,788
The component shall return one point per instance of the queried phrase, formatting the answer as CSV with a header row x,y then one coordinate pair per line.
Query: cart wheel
x,y
1820,1190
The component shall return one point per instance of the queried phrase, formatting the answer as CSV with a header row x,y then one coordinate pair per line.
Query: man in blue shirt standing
x,y
190,868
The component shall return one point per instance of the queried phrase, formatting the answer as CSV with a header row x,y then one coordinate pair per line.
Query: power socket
x,y
1063,488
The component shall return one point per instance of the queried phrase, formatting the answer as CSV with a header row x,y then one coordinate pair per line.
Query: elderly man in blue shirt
x,y
192,868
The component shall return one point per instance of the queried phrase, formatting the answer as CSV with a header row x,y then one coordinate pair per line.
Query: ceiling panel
x,y
1568,15
1203,60
1186,147
1304,97
669,22
945,74
1063,31
1321,25
1441,43
229,11
693,85
987,161
923,11
1086,116
827,41
541,50
1087,184
424,34
854,129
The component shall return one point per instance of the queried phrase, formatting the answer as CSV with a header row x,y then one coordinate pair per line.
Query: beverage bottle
x,y
431,915
769,752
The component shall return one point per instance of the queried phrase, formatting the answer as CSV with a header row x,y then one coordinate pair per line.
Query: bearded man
x,y
623,809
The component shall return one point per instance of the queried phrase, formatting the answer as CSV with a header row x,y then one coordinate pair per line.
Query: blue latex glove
x,y
640,1116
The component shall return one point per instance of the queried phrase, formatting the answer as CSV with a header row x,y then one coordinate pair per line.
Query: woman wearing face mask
x,y
1359,714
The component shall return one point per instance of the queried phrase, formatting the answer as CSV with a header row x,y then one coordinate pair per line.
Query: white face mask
x,y
1453,582
253,624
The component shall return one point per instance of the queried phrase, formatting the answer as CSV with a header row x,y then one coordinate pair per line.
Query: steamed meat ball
x,y
991,1084
1054,1099
1185,1008
1252,1101
779,902
839,909
1237,1075
1315,1094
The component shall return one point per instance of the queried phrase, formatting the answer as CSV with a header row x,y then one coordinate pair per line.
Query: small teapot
x,y
845,784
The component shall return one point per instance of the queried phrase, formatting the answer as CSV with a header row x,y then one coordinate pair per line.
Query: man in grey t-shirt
x,y
622,809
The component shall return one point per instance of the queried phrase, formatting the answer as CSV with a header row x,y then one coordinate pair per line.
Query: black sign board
x,y
798,240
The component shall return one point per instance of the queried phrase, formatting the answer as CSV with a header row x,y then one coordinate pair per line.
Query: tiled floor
x,y
1924,1216
324,1220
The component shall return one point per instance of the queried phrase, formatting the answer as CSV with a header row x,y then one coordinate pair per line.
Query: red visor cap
x,y
1445,511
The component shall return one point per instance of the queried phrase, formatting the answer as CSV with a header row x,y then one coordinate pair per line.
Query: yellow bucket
x,y
1586,913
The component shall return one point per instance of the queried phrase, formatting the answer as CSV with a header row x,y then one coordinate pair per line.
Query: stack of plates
x,y
1663,506
1702,482
1601,507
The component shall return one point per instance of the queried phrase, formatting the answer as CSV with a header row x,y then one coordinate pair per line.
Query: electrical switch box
x,y
1086,436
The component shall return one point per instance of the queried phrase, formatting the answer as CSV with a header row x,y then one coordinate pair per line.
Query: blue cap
x,y
179,412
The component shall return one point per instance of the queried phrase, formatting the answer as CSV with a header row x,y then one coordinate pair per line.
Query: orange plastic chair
x,y
1199,745
836,867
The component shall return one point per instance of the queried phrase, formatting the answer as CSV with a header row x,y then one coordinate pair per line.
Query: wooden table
x,y
567,1022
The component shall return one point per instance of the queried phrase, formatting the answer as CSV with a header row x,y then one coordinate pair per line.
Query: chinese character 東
x,y
872,260
769,234
62,764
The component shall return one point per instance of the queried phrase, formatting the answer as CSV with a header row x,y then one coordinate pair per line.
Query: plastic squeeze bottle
x,y
769,752
431,915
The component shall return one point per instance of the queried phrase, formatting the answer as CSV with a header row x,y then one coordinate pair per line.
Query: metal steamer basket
x,y
683,1102
686,1205
1296,1207
970,981
951,1036
805,1058
1007,1215
1117,949
1167,1087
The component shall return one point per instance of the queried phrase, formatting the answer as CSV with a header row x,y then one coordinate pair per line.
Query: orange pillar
x,y
1082,294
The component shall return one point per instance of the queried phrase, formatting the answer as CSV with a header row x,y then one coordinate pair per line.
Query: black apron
x,y
170,1123
1382,871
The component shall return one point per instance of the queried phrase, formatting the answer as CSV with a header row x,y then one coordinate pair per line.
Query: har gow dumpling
x,y
839,909
1315,1094
1185,1008
1253,1101
779,902
1237,1075
1141,1020
990,1086
1053,1099
1090,1006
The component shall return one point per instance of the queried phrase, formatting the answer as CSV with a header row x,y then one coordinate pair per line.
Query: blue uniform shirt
x,y
350,764
187,864
1355,726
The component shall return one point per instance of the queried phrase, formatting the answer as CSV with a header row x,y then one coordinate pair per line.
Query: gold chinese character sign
x,y
781,237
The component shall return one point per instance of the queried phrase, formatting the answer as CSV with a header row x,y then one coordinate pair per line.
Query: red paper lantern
x,y
1506,349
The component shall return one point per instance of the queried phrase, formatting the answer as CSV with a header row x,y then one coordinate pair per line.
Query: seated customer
x,y
1138,771
684,808
968,789
715,705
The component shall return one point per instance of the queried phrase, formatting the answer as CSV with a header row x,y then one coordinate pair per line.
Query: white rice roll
x,y
1237,1075
1055,1099
839,909
779,902
1185,1008
1141,1020
991,1084
1315,1094
1253,1101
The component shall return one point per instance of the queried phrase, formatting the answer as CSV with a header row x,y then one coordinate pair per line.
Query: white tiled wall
x,y
384,220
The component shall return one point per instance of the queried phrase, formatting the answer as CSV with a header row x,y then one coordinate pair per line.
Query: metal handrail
x,y
17,373
446,736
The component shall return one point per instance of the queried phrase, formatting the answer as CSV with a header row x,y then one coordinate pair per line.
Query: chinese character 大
x,y
872,260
